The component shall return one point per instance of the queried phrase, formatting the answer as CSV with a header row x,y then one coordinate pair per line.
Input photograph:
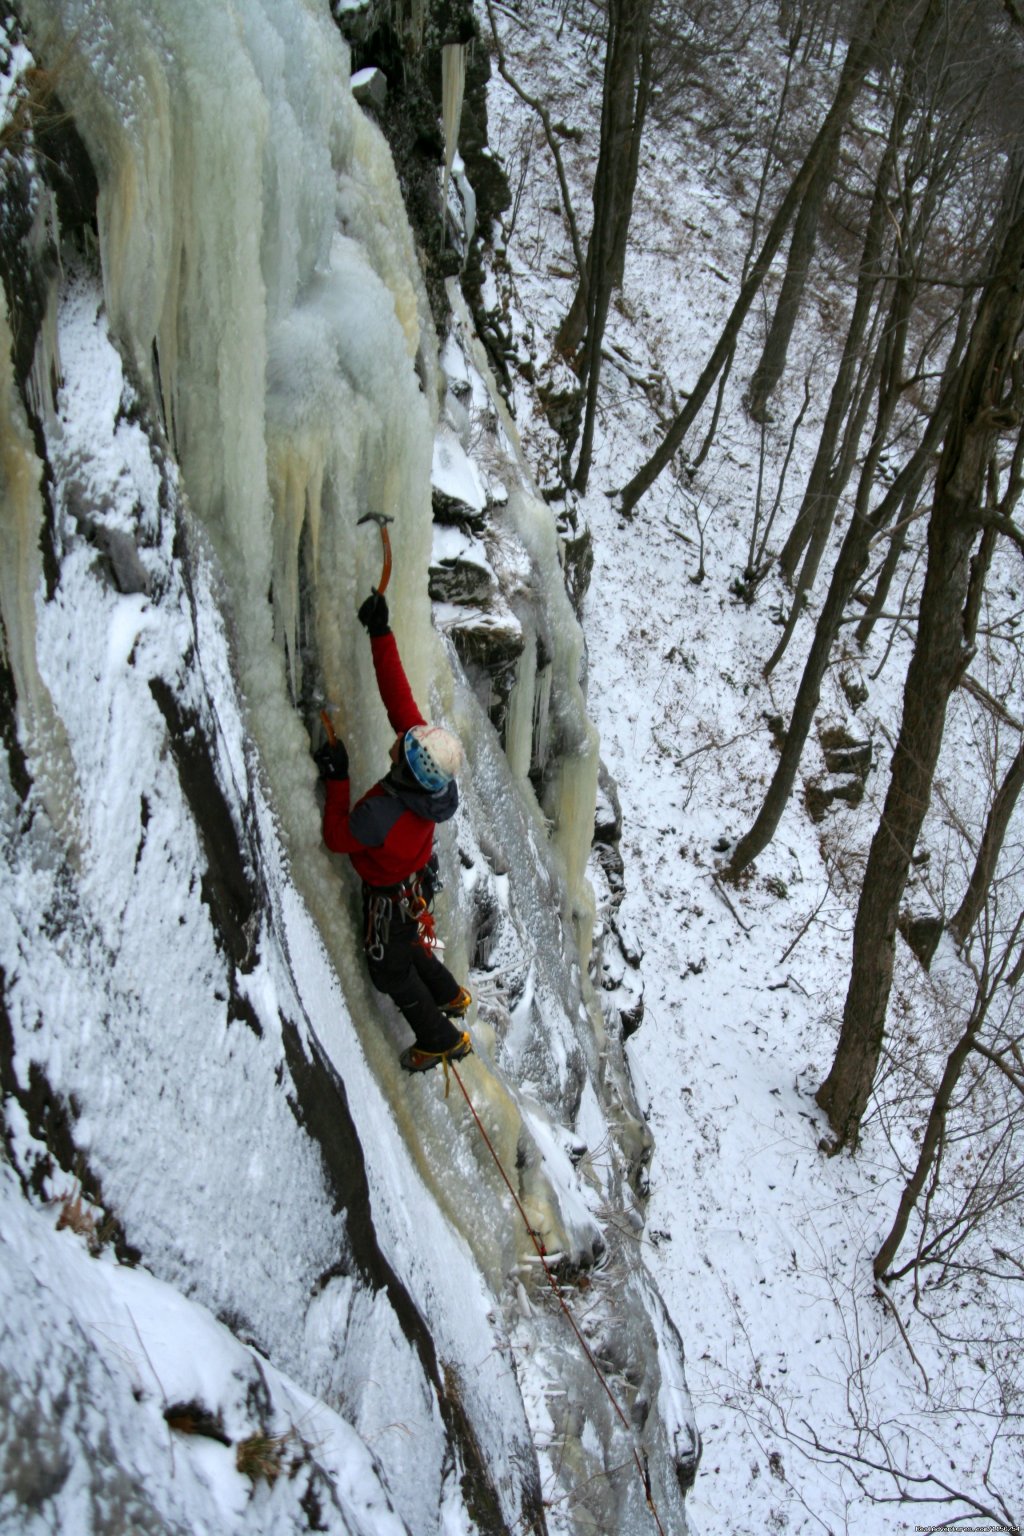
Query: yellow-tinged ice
x,y
261,276
37,724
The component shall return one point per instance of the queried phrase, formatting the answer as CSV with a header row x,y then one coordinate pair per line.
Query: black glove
x,y
373,615
332,760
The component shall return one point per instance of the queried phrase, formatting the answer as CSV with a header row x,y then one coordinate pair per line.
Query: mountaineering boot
x,y
413,1059
459,1005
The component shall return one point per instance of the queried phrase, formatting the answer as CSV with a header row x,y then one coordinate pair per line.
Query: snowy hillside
x,y
822,1407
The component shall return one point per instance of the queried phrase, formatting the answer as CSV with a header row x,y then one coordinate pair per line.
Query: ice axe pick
x,y
382,520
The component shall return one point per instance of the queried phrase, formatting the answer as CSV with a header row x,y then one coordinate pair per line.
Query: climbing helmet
x,y
433,754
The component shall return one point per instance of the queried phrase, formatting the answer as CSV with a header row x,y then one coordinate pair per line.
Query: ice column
x,y
260,272
21,576
453,85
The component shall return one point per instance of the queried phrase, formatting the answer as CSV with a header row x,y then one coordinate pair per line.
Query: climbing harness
x,y
413,899
639,1455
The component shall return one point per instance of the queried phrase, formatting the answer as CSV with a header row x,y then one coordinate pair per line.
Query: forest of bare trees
x,y
901,176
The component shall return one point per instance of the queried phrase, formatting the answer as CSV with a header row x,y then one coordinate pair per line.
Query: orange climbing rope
x,y
640,1461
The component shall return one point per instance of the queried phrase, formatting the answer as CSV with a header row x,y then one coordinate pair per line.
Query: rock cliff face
x,y
219,349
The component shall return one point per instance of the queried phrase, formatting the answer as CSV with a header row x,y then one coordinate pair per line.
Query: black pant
x,y
407,972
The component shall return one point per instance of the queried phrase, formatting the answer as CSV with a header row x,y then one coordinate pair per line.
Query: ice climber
x,y
389,836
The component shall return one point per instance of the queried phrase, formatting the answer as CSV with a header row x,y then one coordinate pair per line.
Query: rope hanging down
x,y
640,1461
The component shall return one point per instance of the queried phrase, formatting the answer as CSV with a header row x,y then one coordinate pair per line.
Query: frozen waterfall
x,y
246,366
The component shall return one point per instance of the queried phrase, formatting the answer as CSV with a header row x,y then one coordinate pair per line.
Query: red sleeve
x,y
402,709
336,806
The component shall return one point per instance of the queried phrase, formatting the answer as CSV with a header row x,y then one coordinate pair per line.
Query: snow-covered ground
x,y
822,1407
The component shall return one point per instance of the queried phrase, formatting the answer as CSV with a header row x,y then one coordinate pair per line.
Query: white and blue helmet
x,y
433,754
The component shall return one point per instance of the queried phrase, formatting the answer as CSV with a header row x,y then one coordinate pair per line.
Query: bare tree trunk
x,y
848,570
888,371
845,1092
550,136
1003,508
919,164
624,101
933,1135
630,167
755,225
976,593
826,505
984,388
874,17
624,108
801,250
811,534
989,849
897,544
820,482
987,982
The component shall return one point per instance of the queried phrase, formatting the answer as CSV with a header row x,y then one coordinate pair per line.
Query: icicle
x,y
519,732
45,373
259,266
453,85
40,731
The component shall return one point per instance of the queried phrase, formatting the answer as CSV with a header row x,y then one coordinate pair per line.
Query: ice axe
x,y
382,520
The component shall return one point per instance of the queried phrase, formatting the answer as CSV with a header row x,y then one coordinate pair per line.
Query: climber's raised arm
x,y
403,711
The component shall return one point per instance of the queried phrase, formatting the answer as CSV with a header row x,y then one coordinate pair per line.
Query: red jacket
x,y
389,834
